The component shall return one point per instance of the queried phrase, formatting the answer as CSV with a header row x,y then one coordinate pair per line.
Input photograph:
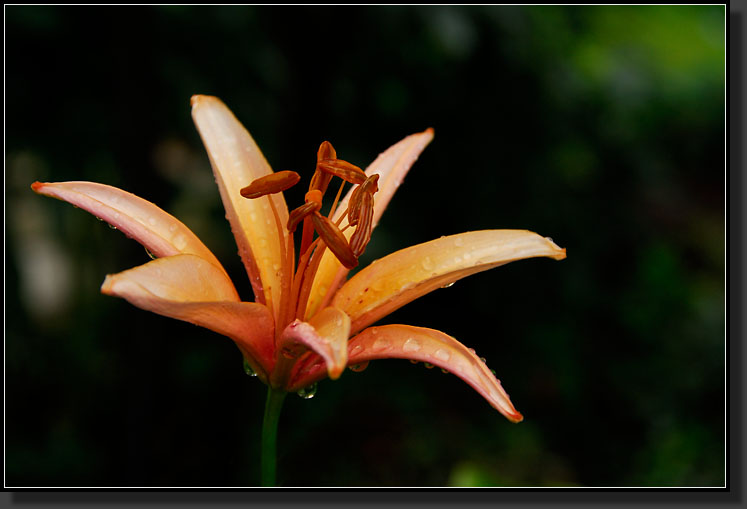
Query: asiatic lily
x,y
307,322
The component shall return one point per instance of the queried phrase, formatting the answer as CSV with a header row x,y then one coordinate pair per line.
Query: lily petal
x,y
160,232
237,161
392,165
189,288
393,281
326,334
427,345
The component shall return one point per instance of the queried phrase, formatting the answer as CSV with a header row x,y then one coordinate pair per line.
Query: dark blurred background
x,y
602,127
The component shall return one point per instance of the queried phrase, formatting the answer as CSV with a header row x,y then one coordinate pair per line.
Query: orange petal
x,y
391,166
237,161
393,281
187,287
326,334
427,345
161,233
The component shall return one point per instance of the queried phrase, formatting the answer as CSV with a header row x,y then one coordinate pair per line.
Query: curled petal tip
x,y
36,186
198,99
106,286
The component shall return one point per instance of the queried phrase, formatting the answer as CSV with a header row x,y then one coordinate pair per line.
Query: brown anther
x,y
343,169
320,180
361,236
298,214
326,151
335,240
271,184
370,186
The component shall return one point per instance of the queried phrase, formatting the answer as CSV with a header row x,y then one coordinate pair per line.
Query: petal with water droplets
x,y
392,165
237,161
426,345
393,281
326,334
161,233
189,288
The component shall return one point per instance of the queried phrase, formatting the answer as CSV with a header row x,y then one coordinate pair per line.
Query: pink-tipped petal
x,y
392,165
326,334
189,288
237,161
426,345
393,281
161,233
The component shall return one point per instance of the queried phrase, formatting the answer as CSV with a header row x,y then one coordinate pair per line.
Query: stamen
x,y
361,236
335,240
370,186
320,180
298,214
271,184
343,169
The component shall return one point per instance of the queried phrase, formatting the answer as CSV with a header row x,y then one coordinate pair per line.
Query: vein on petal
x,y
393,281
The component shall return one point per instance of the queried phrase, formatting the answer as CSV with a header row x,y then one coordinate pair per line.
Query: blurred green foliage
x,y
601,126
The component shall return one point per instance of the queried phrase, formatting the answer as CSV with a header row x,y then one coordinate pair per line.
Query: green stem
x,y
273,406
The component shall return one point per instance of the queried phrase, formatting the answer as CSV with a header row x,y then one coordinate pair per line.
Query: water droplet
x,y
152,256
548,239
458,242
442,355
411,345
428,365
471,350
483,360
248,369
152,221
492,371
356,349
380,344
308,392
448,285
112,227
413,361
444,371
358,367
427,263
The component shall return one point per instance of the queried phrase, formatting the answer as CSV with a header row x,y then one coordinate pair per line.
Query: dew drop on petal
x,y
411,345
358,367
428,365
356,350
152,256
380,344
112,227
444,370
308,392
413,361
248,369
458,242
152,221
427,263
448,285
442,355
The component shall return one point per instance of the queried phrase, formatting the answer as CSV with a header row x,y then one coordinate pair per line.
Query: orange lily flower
x,y
308,322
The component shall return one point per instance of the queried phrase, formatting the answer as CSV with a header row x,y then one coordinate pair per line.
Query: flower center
x,y
318,232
